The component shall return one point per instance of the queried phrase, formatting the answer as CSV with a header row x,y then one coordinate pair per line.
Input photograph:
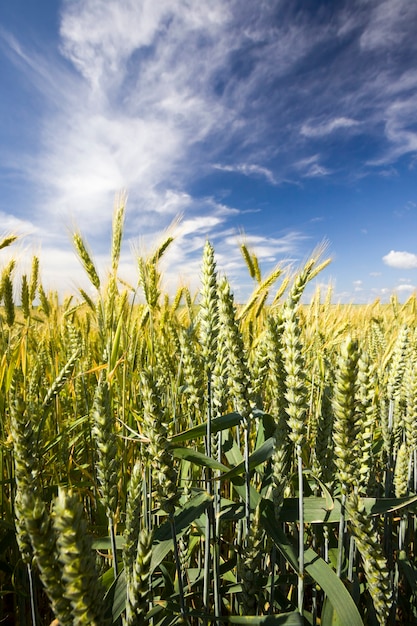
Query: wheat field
x,y
193,460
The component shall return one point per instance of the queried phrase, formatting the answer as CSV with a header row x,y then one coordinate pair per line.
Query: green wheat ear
x,y
252,263
366,384
158,453
43,539
24,297
106,442
401,471
74,545
137,552
117,231
373,559
346,425
26,469
274,397
294,365
208,312
138,591
86,260
45,306
34,279
193,379
6,288
239,376
134,511
250,569
7,241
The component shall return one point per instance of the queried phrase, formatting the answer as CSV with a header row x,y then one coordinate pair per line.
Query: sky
x,y
278,124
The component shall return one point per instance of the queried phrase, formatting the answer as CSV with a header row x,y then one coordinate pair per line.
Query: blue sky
x,y
279,123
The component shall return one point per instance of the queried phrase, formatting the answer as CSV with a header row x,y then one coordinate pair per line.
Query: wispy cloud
x,y
311,167
248,169
271,248
388,24
16,225
399,128
326,128
401,260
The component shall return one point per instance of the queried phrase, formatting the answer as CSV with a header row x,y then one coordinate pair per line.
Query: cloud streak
x,y
328,127
248,169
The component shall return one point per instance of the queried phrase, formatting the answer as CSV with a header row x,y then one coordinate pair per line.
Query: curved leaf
x,y
327,511
217,424
115,598
198,458
316,567
162,540
262,454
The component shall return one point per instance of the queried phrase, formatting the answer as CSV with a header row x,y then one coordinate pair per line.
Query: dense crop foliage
x,y
189,460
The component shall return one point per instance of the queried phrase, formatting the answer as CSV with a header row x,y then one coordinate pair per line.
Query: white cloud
x,y
325,128
406,288
400,119
317,170
99,38
16,226
248,169
388,24
389,172
404,82
401,260
269,247
311,168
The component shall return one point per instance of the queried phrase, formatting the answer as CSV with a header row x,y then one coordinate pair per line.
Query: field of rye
x,y
191,460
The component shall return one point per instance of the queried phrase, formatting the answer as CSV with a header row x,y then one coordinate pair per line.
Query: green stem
x,y
247,480
207,559
272,588
341,533
301,532
210,515
113,546
178,568
32,595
